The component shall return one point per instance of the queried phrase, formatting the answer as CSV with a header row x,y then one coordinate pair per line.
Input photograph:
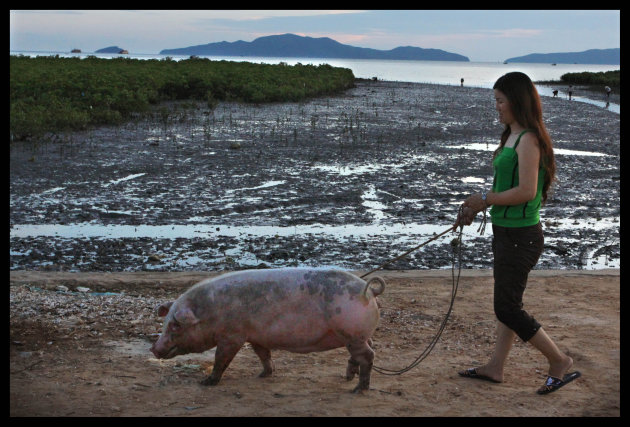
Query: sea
x,y
475,74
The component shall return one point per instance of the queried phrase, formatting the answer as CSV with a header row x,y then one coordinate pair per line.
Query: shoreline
x,y
583,92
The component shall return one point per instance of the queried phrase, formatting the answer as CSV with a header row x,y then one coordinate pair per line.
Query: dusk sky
x,y
481,35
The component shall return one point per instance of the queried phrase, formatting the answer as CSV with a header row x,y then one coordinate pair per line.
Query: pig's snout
x,y
161,352
155,352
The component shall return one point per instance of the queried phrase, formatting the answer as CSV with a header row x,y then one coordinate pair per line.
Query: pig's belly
x,y
304,344
301,332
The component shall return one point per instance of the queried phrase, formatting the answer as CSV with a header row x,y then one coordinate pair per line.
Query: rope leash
x,y
408,252
457,246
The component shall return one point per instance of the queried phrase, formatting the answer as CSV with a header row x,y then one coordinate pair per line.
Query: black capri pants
x,y
516,252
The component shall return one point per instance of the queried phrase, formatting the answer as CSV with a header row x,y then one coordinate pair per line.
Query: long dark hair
x,y
527,111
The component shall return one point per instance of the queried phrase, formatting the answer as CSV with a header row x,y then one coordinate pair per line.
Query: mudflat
x,y
350,181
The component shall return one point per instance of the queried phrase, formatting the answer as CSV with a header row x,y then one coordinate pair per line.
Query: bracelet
x,y
484,197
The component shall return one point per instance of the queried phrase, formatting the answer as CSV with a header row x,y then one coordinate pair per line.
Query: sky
x,y
481,35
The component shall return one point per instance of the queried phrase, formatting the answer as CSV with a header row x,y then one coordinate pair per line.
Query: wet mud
x,y
347,181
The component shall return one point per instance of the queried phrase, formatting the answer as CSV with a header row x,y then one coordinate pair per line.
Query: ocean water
x,y
477,74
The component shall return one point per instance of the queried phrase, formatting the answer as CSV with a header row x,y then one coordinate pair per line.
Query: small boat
x,y
554,64
124,52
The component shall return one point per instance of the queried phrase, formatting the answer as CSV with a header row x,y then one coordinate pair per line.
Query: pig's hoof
x,y
210,381
359,389
265,373
352,369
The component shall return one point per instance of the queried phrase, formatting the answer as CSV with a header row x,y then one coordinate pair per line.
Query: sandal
x,y
552,384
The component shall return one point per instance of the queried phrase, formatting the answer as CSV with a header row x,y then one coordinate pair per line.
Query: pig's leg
x,y
226,350
352,369
364,355
265,357
353,365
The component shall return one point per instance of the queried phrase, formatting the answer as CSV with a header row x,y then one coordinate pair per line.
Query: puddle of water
x,y
473,179
349,170
127,178
109,211
559,151
405,236
446,125
356,169
89,230
265,185
548,91
370,201
586,224
52,190
601,262
188,231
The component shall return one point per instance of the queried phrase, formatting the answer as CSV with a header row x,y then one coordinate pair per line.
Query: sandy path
x,y
77,354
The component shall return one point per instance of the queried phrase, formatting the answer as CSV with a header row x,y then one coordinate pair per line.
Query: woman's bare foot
x,y
484,373
490,372
561,367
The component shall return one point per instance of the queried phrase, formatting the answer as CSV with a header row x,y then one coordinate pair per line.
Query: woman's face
x,y
502,105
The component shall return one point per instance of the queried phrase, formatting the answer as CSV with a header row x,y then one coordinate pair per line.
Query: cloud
x,y
513,33
248,15
258,15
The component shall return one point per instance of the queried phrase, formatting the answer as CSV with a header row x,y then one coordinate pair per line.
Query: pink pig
x,y
295,309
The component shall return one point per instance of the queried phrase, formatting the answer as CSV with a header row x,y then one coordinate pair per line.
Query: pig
x,y
300,310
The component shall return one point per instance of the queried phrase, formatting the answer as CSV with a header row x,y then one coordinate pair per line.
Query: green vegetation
x,y
607,78
600,79
52,94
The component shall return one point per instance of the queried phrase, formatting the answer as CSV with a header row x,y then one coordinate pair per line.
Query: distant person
x,y
555,93
462,82
608,90
570,92
524,169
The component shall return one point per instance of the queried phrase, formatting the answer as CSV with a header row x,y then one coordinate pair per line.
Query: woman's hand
x,y
475,202
471,206
465,216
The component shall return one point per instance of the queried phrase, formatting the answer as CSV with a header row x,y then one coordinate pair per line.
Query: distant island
x,y
293,46
111,49
591,56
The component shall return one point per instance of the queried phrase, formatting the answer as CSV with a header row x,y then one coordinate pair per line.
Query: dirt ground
x,y
79,352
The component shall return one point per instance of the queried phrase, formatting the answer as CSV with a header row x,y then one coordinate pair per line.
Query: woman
x,y
524,168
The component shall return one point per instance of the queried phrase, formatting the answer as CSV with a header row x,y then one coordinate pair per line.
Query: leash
x,y
457,246
408,252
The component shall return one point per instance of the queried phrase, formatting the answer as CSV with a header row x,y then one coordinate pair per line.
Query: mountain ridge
x,y
590,56
291,45
109,49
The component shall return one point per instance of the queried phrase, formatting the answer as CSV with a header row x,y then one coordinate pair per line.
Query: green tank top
x,y
505,166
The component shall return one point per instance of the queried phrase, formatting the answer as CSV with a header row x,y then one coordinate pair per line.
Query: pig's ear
x,y
163,309
185,316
